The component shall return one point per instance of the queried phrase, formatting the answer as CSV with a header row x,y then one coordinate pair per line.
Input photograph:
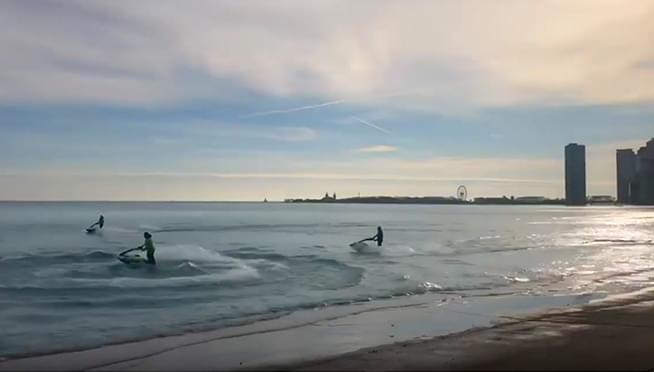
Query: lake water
x,y
222,264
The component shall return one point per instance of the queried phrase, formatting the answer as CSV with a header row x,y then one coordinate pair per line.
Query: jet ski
x,y
363,247
126,258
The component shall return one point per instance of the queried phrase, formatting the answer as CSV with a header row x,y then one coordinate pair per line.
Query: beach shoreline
x,y
308,338
611,334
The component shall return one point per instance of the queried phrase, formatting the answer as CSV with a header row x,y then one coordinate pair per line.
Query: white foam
x,y
267,263
517,279
365,248
430,286
190,252
386,250
398,250
233,275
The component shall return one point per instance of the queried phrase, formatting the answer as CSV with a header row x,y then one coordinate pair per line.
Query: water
x,y
222,264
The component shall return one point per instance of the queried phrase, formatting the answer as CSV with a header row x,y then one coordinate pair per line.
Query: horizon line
x,y
256,201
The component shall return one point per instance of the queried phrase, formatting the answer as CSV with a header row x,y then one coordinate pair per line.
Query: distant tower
x,y
334,197
626,172
575,174
645,174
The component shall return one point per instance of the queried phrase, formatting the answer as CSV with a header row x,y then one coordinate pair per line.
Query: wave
x,y
190,252
120,229
257,227
60,258
246,227
621,241
385,250
517,279
151,228
189,265
235,275
180,253
244,274
255,253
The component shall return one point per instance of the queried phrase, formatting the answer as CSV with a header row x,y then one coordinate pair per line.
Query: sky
x,y
246,100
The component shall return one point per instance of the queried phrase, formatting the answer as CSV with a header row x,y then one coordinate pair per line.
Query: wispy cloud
x,y
279,175
375,149
371,125
153,52
293,134
268,132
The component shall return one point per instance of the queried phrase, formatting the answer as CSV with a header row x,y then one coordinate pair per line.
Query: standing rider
x,y
379,237
148,247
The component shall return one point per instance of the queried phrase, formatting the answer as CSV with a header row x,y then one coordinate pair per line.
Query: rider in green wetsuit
x,y
148,247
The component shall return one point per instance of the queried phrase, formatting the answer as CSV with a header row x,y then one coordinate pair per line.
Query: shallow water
x,y
221,264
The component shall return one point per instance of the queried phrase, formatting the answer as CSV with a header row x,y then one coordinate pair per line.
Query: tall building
x,y
635,175
575,174
643,184
626,173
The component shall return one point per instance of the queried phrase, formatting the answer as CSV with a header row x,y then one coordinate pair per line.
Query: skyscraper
x,y
626,172
644,180
575,174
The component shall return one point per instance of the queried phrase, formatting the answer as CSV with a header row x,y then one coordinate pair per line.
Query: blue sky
x,y
171,100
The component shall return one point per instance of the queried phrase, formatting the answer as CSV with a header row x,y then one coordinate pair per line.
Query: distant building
x,y
635,175
492,200
601,199
530,199
625,160
575,174
328,198
642,187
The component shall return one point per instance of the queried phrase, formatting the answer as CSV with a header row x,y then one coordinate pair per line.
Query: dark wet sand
x,y
612,335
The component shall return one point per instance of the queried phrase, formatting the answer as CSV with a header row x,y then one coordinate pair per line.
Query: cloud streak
x,y
371,125
294,109
281,175
331,103
375,149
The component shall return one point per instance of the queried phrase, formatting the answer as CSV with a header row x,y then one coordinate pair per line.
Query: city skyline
x,y
230,101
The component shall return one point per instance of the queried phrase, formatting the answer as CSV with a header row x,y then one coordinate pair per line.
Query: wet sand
x,y
617,334
614,334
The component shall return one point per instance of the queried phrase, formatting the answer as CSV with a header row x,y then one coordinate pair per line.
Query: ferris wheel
x,y
462,193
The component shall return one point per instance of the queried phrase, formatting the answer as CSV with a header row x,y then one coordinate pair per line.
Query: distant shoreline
x,y
356,200
431,200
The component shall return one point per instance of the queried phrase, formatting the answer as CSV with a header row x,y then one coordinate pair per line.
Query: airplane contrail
x,y
295,109
329,103
371,125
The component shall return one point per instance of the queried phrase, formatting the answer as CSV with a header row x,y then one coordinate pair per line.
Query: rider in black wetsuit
x,y
100,222
148,247
379,237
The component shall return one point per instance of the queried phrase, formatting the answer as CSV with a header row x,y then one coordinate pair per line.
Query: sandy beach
x,y
615,334
608,334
